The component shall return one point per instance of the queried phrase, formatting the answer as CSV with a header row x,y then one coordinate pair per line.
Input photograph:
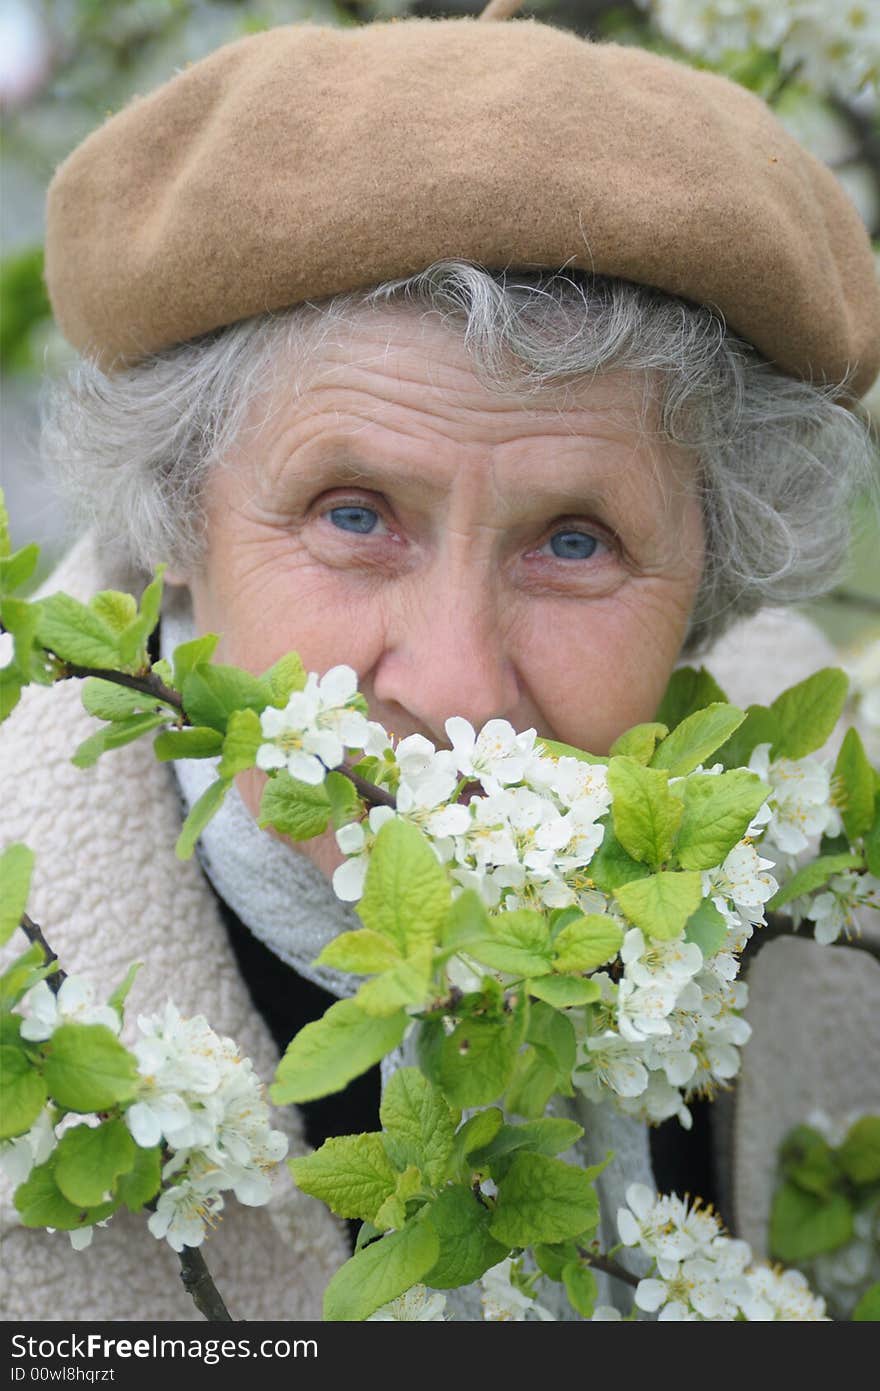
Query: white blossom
x,y
74,1004
7,650
504,1301
19,1156
417,1305
832,911
310,735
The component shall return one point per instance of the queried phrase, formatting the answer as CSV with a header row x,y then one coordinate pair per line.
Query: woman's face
x,y
465,553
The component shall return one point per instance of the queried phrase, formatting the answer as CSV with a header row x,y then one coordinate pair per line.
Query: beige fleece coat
x,y
108,890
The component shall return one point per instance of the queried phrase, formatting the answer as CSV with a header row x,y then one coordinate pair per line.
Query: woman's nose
x,y
447,652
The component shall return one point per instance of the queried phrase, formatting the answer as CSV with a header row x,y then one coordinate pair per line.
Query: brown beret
x,y
304,161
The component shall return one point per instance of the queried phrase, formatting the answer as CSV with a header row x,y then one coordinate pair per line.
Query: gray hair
x,y
780,460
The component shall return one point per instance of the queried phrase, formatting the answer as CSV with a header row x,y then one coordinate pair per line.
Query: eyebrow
x,y
341,466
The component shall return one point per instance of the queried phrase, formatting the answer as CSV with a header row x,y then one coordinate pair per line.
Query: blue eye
x,y
573,545
352,518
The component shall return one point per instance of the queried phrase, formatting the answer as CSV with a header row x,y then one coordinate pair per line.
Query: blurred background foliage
x,y
65,65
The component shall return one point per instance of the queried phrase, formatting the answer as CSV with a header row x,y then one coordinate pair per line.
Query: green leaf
x,y
286,676
16,570
812,877
89,1159
5,542
362,952
114,736
198,742
477,1058
639,742
807,1160
868,1308
23,1091
467,921
212,693
107,701
405,983
708,928
518,943
381,1272
143,1180
350,1173
612,866
88,1069
16,867
562,992
297,809
854,786
588,942
244,735
120,994
645,813
543,1199
190,655
392,1213
696,738
549,1135
581,1287
760,726
406,892
325,1055
690,689
75,633
872,841
133,641
533,1081
803,1225
345,804
467,1248
114,608
419,1123
859,1155
662,904
553,749
478,1131
40,1203
10,691
205,808
22,974
717,813
808,712
545,1065
551,1259
553,1033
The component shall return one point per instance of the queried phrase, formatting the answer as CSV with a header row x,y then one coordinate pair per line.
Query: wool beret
x,y
307,160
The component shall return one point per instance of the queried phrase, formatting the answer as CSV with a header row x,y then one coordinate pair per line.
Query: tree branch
x,y
150,685
376,796
608,1266
197,1282
33,933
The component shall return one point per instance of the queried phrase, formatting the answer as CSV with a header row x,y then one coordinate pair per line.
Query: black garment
x,y
287,1001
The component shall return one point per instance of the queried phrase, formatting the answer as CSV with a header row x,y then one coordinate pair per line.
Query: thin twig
x,y
197,1282
608,1266
783,82
32,931
376,796
150,684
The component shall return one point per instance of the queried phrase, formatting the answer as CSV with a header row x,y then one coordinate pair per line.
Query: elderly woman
x,y
508,369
